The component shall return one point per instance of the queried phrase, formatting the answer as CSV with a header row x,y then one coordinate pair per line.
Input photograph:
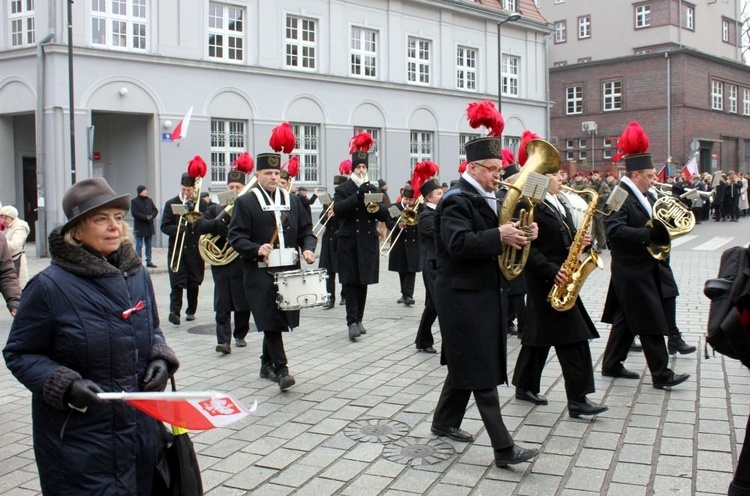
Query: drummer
x,y
266,249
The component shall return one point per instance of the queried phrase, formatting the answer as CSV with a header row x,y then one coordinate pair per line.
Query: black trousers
x,y
407,279
575,361
670,313
356,298
424,332
517,310
224,326
273,351
175,300
452,404
742,474
618,344
331,286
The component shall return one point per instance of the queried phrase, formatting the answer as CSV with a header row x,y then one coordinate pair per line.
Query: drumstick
x,y
276,233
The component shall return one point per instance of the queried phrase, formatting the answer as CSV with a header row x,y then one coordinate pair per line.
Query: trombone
x,y
187,218
408,216
323,220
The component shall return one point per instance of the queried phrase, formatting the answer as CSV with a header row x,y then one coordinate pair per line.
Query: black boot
x,y
675,344
737,490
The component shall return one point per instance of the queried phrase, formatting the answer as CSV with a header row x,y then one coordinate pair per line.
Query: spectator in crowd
x,y
16,232
144,211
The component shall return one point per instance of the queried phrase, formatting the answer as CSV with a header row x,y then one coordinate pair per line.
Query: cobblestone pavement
x,y
358,420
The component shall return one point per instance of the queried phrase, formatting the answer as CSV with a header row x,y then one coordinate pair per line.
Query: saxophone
x,y
562,297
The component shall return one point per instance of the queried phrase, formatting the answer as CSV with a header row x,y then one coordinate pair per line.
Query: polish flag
x,y
181,129
661,176
197,411
691,168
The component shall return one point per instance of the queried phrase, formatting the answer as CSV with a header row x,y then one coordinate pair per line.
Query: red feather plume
x,y
345,167
282,138
462,167
525,138
633,141
197,167
508,157
423,171
244,163
292,166
361,143
485,114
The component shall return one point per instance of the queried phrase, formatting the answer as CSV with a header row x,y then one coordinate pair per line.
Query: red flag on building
x,y
181,129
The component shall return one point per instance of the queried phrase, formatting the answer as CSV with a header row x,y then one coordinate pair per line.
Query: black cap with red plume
x,y
423,171
484,114
359,146
633,145
526,136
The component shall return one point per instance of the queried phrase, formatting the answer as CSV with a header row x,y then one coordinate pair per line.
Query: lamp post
x,y
510,18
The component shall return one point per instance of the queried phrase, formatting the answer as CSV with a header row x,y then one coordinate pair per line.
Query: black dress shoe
x,y
223,348
512,330
362,329
174,318
675,380
329,305
190,316
585,407
635,347
514,455
150,265
409,301
452,433
401,300
621,373
531,397
241,343
675,344
342,302
285,380
353,331
266,372
428,349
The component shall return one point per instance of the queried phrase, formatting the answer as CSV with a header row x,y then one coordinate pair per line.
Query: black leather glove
x,y
222,229
156,376
82,393
364,188
659,236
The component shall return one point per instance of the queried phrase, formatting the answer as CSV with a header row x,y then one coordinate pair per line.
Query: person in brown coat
x,y
8,278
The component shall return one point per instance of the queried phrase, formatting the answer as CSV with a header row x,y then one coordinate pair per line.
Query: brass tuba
x,y
543,159
671,219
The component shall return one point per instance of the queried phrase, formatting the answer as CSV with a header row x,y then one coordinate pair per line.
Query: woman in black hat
x,y
88,323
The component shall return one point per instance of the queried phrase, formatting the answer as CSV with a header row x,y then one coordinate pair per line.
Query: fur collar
x,y
83,263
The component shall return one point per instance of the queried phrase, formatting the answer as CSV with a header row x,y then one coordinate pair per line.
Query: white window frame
x,y
418,60
732,98
512,143
584,27
466,67
642,16
115,24
745,101
576,99
570,156
569,144
582,143
725,31
561,31
300,44
226,32
510,5
464,138
21,23
421,146
612,96
717,95
511,75
363,53
690,18
583,154
607,153
373,163
606,143
229,139
307,149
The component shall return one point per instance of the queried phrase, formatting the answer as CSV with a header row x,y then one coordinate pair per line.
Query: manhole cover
x,y
376,430
418,451
203,329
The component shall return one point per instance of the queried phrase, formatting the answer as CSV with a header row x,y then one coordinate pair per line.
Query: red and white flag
x,y
691,168
181,129
197,411
661,176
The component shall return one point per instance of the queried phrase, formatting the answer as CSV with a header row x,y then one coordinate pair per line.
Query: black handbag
x,y
177,472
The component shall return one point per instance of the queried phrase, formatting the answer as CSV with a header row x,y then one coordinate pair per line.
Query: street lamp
x,y
511,18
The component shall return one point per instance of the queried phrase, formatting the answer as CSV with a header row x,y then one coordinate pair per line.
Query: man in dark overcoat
x,y
358,247
328,247
404,255
471,302
569,331
263,218
639,283
144,212
229,291
431,192
191,269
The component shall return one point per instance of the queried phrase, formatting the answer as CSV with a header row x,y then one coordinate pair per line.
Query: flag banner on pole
x,y
197,411
691,168
661,176
181,129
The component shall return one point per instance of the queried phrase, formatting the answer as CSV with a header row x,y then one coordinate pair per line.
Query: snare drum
x,y
301,289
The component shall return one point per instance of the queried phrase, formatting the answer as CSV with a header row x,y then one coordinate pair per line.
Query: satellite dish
x,y
694,145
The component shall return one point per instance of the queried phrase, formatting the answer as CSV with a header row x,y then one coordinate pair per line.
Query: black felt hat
x,y
429,186
187,180
484,148
360,157
638,162
236,176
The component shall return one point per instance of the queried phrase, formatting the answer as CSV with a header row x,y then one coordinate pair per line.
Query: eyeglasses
x,y
493,170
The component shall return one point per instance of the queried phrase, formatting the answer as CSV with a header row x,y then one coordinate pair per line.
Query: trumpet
x,y
185,219
408,216
323,220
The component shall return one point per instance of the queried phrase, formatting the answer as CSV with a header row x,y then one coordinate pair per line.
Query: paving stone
x,y
587,479
595,458
551,464
366,485
631,473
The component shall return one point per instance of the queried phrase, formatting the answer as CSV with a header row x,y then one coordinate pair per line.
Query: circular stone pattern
x,y
376,430
415,451
203,329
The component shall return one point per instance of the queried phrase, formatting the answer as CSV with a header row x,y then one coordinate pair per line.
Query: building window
x,y
464,138
373,166
559,1
364,52
510,75
607,154
562,63
612,96
512,142
746,101
582,155
584,27
418,61
642,16
119,24
21,23
228,141
582,143
300,43
690,18
732,98
607,142
725,31
420,148
570,156
574,100
584,60
466,68
306,148
561,31
510,5
226,36
717,95
569,144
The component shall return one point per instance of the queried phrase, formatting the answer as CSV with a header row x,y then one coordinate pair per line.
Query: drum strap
x,y
280,202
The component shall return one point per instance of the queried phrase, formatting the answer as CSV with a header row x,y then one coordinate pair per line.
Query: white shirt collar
x,y
490,197
638,195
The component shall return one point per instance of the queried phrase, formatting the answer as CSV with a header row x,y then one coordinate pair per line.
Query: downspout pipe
x,y
41,222
669,104
547,105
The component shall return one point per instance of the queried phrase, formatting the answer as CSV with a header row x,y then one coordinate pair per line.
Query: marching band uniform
x,y
357,243
254,224
190,272
404,257
328,250
229,291
426,228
